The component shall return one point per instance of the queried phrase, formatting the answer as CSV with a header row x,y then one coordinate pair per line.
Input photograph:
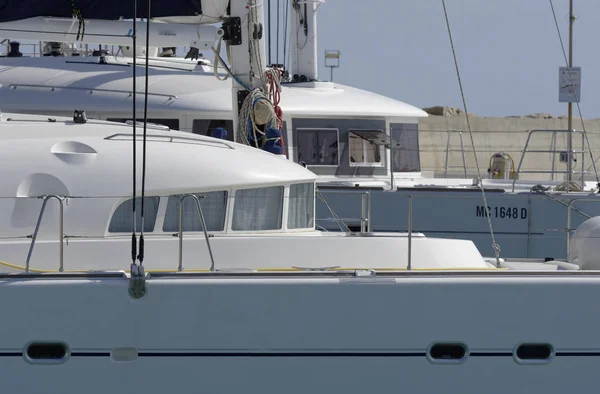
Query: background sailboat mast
x,y
570,103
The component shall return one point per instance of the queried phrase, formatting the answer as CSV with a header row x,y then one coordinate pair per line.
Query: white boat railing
x,y
60,231
365,222
553,151
365,218
202,223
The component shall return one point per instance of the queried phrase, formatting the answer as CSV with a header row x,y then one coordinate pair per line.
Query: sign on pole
x,y
569,84
332,60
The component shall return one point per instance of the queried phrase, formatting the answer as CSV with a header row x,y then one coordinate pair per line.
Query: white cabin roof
x,y
95,159
27,85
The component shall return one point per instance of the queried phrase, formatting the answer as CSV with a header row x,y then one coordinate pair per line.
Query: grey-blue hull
x,y
525,225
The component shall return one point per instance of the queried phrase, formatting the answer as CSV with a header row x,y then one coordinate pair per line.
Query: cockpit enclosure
x,y
269,209
356,147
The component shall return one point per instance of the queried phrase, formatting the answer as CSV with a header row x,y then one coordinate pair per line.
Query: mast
x,y
303,42
244,34
570,103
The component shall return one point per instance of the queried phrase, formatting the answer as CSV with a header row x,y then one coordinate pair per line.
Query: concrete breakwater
x,y
441,133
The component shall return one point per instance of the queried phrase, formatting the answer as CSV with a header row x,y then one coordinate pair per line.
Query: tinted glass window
x,y
318,146
406,158
301,207
258,209
122,219
213,204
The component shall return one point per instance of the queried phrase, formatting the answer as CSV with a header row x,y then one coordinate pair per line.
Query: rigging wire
x,y
285,35
564,52
141,247
269,28
278,19
302,23
495,246
134,34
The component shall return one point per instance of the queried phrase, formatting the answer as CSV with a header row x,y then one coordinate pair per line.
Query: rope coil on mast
x,y
261,105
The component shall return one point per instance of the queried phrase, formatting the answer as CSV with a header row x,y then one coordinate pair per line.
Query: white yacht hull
x,y
303,333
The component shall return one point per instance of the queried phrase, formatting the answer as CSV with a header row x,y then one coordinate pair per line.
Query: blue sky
x,y
508,52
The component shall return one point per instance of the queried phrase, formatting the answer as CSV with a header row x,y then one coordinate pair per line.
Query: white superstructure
x,y
252,201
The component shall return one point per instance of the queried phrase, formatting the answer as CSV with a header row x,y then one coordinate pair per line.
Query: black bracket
x,y
232,30
241,96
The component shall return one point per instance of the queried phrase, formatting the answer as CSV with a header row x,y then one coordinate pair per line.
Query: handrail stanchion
x,y
180,267
202,221
369,211
569,229
37,229
409,267
363,213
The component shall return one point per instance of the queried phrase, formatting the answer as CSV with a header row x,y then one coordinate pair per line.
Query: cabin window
x,y
364,150
405,158
205,126
172,124
258,209
122,219
301,208
213,204
318,147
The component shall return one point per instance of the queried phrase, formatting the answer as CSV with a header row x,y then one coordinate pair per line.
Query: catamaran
x,y
363,147
105,323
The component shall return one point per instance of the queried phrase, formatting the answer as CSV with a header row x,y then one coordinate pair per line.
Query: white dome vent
x,y
585,246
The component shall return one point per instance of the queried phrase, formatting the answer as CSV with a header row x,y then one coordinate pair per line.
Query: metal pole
x,y
61,235
570,104
331,78
363,213
569,230
409,267
202,222
269,28
206,236
180,268
37,229
369,211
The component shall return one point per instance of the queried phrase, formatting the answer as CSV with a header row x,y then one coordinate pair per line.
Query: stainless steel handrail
x,y
91,90
37,228
365,224
339,222
365,219
203,223
552,151
409,267
462,150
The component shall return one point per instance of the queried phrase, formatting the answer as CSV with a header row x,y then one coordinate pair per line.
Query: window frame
x,y
317,129
225,216
382,152
126,200
282,217
288,195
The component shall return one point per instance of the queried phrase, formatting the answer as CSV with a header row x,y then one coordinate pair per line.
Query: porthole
x,y
453,353
46,352
533,353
